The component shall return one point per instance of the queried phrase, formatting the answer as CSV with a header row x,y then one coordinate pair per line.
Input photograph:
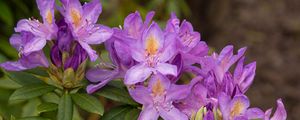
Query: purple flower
x,y
280,113
118,47
188,41
41,31
244,75
32,60
82,21
158,97
152,52
238,108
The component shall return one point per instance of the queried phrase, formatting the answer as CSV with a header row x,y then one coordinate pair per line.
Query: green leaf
x,y
116,94
31,91
30,108
38,71
7,83
132,114
88,103
33,118
117,113
23,78
46,107
6,14
65,108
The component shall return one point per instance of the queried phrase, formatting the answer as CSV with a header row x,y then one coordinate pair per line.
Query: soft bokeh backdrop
x,y
270,29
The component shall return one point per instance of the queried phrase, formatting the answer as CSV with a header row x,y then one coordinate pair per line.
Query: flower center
x,y
76,17
49,17
236,109
158,89
152,45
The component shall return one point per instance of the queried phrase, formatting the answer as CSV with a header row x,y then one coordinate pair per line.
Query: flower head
x,y
157,98
82,21
152,52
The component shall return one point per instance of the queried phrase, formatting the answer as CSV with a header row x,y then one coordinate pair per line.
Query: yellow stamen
x,y
158,89
237,109
49,17
152,45
76,17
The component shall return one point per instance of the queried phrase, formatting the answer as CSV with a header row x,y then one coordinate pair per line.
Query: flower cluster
x,y
150,60
69,38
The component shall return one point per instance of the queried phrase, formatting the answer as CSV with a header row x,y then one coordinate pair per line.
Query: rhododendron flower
x,y
82,21
118,47
41,31
158,97
152,53
188,41
32,60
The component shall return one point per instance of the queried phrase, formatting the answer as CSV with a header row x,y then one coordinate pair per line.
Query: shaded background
x,y
270,29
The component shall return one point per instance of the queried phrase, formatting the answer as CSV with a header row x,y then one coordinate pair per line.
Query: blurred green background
x,y
270,29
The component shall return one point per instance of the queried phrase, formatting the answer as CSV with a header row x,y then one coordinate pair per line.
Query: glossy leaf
x,y
30,108
23,78
117,113
65,108
31,91
132,114
46,107
116,94
88,103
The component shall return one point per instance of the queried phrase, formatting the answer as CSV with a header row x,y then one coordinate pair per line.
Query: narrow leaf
x,y
117,113
88,103
65,108
116,94
132,114
31,91
23,78
46,107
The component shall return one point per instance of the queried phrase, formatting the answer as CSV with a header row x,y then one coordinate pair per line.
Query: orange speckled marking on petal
x,y
158,89
49,17
76,17
152,45
236,109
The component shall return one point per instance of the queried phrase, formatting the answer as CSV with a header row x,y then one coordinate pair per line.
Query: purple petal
x,y
141,95
201,49
137,53
161,80
133,24
100,34
94,87
46,8
98,75
255,113
33,45
137,73
16,41
167,69
178,92
155,36
56,56
33,60
92,53
149,17
169,48
238,105
13,66
148,113
173,114
173,24
92,10
73,13
280,113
